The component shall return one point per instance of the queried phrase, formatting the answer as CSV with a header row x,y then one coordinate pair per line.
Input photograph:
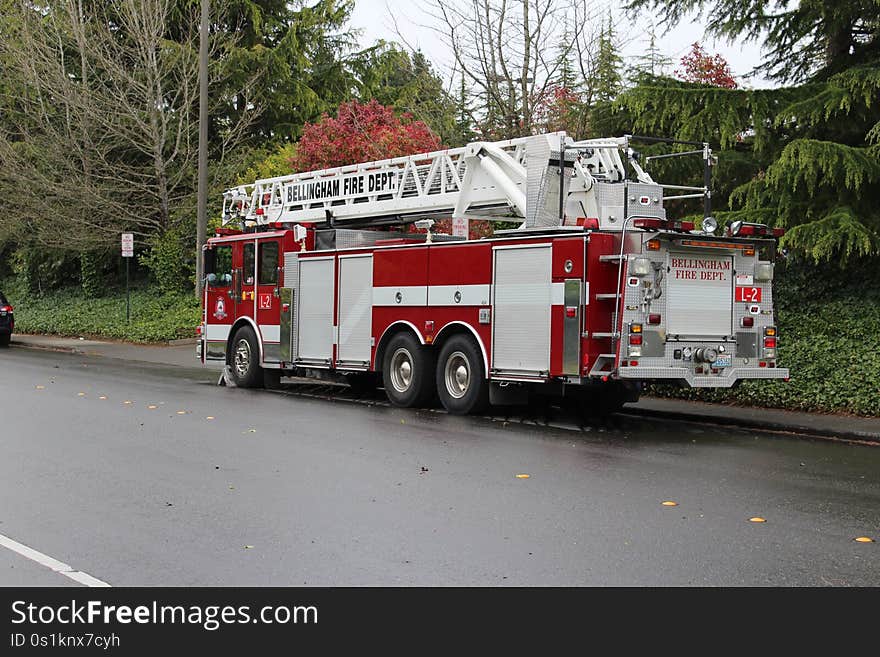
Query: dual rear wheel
x,y
413,373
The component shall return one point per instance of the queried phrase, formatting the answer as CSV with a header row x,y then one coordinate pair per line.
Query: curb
x,y
46,347
768,425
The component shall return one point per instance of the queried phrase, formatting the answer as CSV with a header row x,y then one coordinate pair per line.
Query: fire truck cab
x,y
595,294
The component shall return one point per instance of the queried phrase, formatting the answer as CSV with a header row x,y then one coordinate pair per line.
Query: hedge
x,y
155,317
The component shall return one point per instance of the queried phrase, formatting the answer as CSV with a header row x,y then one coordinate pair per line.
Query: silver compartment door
x,y
355,309
315,323
699,288
521,315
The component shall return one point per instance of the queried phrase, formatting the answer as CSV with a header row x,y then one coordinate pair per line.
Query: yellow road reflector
x,y
127,401
522,476
669,503
210,417
181,412
248,547
80,394
41,387
757,519
152,407
103,397
864,539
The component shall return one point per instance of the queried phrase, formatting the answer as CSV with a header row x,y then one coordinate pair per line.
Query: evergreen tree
x,y
607,78
805,156
653,62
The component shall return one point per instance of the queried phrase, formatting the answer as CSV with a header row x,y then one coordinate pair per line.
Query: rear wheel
x,y
461,377
408,371
4,339
244,359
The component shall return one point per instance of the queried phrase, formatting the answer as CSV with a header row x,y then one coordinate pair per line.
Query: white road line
x,y
53,564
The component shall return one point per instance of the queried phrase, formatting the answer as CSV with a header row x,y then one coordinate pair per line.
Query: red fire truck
x,y
594,294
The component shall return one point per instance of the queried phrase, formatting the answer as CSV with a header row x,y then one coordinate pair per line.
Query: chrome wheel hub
x,y
457,375
401,370
242,359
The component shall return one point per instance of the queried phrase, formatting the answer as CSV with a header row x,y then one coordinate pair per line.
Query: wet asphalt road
x,y
285,489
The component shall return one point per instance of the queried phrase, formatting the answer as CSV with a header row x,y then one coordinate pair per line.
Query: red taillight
x,y
747,322
653,319
571,311
198,330
648,223
635,339
633,363
770,343
6,309
588,223
259,212
762,364
778,232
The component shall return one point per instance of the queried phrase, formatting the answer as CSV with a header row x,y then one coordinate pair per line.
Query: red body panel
x,y
425,273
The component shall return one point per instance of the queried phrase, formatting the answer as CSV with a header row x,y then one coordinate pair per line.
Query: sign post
x,y
127,253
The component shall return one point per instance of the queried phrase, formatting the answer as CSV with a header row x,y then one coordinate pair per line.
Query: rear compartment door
x,y
521,309
699,288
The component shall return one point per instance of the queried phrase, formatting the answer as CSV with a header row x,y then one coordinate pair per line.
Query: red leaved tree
x,y
363,132
701,67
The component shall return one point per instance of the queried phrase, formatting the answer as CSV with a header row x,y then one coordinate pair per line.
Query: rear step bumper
x,y
725,379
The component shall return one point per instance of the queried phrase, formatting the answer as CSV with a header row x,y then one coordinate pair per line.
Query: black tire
x,y
408,371
4,339
461,377
244,359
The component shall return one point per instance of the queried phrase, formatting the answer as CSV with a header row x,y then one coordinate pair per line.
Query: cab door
x,y
219,299
268,296
245,277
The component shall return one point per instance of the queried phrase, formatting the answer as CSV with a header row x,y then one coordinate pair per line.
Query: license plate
x,y
722,361
2,313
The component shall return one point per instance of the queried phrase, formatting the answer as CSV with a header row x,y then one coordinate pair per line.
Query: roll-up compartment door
x,y
521,309
355,309
315,290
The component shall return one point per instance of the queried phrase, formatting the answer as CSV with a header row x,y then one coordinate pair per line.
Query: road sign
x,y
127,245
460,227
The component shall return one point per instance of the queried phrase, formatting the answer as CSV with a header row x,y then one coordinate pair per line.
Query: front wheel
x,y
461,377
244,359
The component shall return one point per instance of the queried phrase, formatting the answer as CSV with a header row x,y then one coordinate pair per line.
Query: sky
x,y
376,19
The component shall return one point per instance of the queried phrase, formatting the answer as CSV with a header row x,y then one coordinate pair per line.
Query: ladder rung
x,y
605,335
609,295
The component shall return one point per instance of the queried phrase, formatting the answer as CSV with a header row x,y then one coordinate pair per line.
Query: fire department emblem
x,y
220,309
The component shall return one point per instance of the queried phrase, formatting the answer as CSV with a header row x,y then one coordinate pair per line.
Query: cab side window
x,y
247,268
268,273
220,274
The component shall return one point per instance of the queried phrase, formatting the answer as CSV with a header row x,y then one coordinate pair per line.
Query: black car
x,y
7,321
